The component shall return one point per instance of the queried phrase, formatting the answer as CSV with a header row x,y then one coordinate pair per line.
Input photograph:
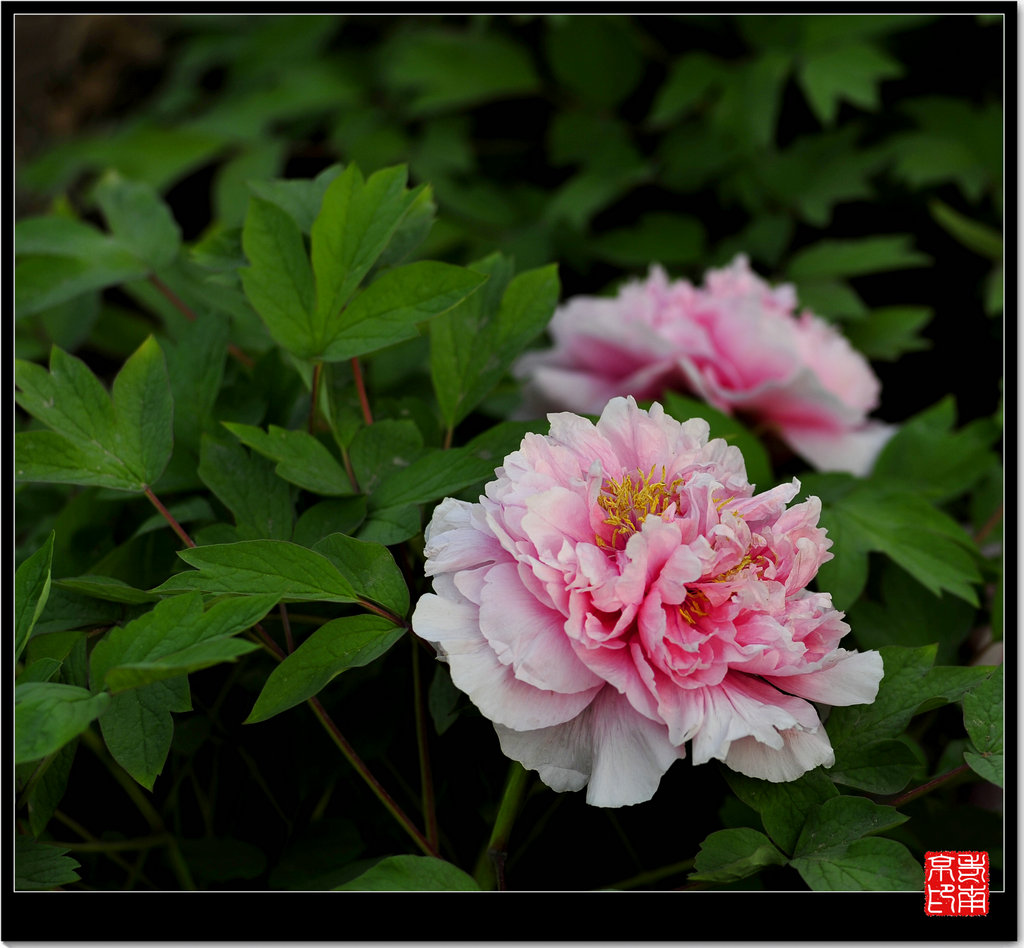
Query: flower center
x,y
697,604
630,500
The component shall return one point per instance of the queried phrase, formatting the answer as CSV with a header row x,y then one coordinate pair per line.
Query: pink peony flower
x,y
620,590
736,342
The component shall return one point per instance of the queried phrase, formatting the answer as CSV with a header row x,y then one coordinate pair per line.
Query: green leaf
x,y
350,233
370,568
910,685
983,718
62,259
411,874
783,806
848,258
48,714
690,79
379,450
917,536
301,459
445,70
431,477
596,57
749,106
39,866
350,642
473,344
833,299
936,461
731,854
879,767
48,790
262,567
68,399
139,219
329,516
863,865
195,369
144,413
755,456
258,499
122,443
911,615
669,239
889,332
974,235
300,199
279,280
390,308
852,72
42,669
138,728
31,590
174,638
107,587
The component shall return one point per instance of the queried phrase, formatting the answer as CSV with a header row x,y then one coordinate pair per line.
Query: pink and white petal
x,y
620,753
853,451
529,636
844,678
454,630
452,542
801,751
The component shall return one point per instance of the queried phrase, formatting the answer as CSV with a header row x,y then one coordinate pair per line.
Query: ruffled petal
x,y
844,678
801,751
620,753
454,628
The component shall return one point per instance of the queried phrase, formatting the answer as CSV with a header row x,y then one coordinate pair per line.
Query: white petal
x,y
844,678
452,543
801,751
621,753
454,628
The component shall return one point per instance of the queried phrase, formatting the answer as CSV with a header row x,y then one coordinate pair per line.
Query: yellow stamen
x,y
633,498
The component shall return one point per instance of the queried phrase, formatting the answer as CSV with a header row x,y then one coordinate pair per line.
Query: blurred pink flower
x,y
736,342
619,591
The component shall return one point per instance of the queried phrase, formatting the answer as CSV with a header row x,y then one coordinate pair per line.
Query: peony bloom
x,y
736,342
620,590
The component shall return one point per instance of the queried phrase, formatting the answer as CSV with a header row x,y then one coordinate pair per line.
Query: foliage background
x,y
850,154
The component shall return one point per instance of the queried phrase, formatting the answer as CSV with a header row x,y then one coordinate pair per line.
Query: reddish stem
x,y
426,776
361,389
188,313
989,526
169,517
929,786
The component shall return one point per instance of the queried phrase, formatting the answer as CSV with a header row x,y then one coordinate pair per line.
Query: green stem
x,y
353,758
490,867
653,875
318,368
148,811
426,777
448,435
